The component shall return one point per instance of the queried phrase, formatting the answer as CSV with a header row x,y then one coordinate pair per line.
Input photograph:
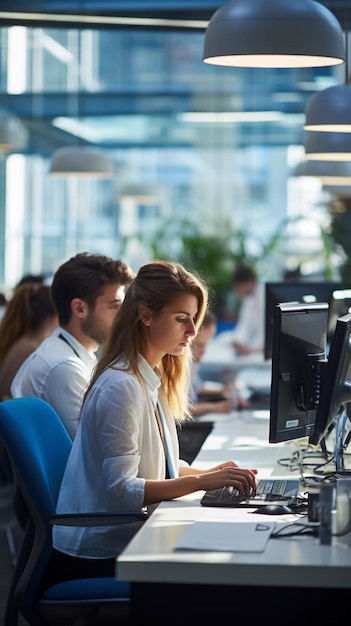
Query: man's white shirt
x,y
58,371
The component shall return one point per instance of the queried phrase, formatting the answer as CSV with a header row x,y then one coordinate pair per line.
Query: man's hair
x,y
243,274
85,276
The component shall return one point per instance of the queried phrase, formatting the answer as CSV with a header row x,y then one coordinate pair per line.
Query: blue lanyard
x,y
167,440
68,343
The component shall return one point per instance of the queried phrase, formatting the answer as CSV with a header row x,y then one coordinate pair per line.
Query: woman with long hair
x,y
125,455
29,318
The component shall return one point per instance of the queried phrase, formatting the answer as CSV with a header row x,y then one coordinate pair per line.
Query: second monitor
x,y
299,350
307,292
336,389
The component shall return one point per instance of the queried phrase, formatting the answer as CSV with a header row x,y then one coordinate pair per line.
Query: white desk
x,y
151,563
221,361
221,365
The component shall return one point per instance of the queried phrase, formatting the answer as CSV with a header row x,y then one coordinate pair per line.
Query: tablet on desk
x,y
226,536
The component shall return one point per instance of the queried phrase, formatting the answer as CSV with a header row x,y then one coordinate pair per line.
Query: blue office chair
x,y
38,446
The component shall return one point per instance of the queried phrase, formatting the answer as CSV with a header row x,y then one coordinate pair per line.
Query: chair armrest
x,y
97,519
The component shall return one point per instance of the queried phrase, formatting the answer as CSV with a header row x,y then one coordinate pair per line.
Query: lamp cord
x,y
346,22
347,57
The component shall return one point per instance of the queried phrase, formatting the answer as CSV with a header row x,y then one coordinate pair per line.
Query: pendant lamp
x,y
344,190
13,134
329,172
321,146
80,161
330,110
274,33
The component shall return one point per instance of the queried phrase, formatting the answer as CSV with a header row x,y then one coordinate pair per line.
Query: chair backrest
x,y
38,446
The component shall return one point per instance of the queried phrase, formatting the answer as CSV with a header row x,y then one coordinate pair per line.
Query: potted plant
x,y
213,255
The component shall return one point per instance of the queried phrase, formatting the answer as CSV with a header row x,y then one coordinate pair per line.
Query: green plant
x,y
337,240
213,255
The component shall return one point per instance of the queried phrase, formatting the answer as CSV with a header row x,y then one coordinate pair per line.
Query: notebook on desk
x,y
228,537
270,490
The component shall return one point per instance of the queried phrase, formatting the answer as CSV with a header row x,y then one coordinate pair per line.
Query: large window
x,y
187,140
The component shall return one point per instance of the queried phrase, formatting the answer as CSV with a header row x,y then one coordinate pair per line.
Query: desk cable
x,y
294,529
298,462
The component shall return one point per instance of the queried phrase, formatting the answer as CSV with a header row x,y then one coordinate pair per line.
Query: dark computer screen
x,y
336,380
302,291
299,347
339,305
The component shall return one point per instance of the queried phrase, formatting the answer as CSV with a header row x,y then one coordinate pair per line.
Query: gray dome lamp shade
x,y
80,161
274,33
329,172
13,134
343,190
327,146
330,110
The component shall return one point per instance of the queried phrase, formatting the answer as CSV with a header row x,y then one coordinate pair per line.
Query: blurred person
x,y
207,396
3,303
203,400
125,455
293,275
29,318
33,279
247,337
87,291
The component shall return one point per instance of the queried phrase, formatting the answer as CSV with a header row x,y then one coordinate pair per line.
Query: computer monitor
x,y
299,347
339,306
336,380
302,291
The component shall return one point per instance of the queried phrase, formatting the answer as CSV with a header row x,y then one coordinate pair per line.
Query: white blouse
x,y
116,448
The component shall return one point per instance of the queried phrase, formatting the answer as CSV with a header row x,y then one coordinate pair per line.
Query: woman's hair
x,y
156,285
29,306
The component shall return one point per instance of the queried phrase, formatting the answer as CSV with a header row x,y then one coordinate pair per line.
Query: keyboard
x,y
267,491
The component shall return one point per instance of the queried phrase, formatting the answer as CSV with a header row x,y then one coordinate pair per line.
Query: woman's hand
x,y
228,474
191,480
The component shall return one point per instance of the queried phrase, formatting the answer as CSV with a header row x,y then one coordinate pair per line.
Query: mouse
x,y
273,509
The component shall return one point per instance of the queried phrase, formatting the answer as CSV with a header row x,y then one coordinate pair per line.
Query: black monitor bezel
x,y
284,425
287,291
336,387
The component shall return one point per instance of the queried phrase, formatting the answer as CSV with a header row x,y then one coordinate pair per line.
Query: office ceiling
x,y
286,92
168,9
